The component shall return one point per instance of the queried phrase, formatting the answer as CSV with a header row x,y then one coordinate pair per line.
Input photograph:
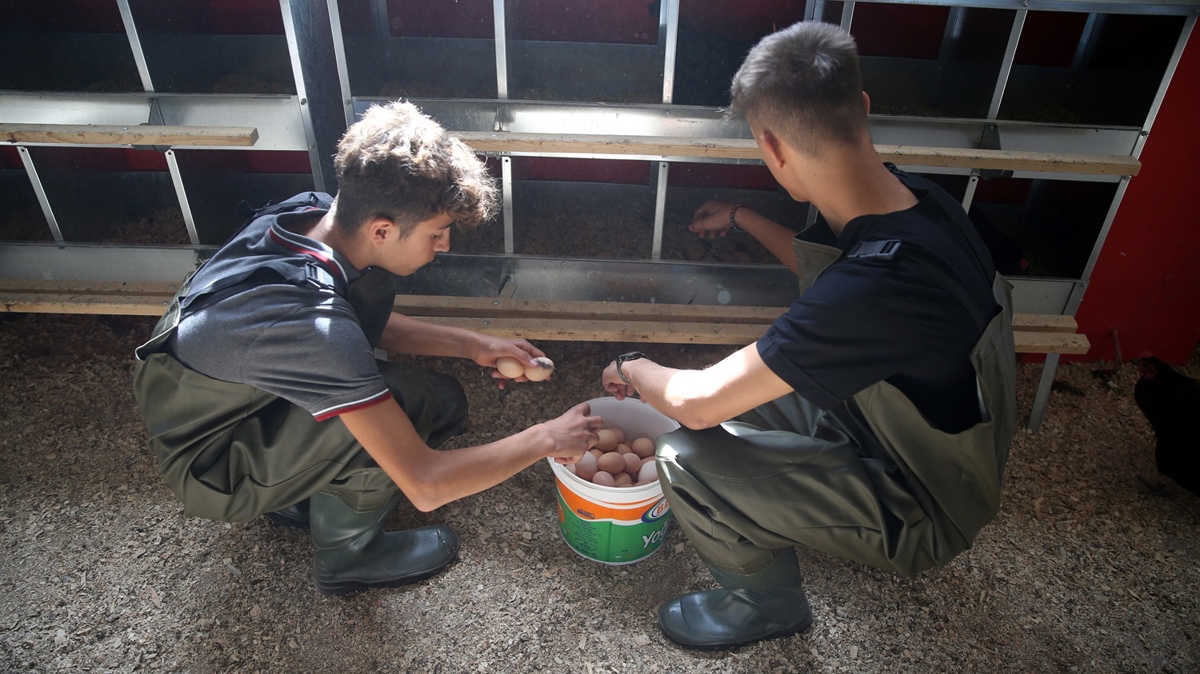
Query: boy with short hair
x,y
873,419
261,390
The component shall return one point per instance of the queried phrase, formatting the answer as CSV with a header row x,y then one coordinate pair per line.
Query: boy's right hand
x,y
711,219
573,433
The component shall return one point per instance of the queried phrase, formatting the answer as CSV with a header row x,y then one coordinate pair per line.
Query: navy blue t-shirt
x,y
910,321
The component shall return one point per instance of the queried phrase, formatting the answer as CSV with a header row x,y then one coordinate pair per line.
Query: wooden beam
x,y
9,286
69,303
659,332
91,134
744,148
1045,162
1050,342
506,317
52,296
1044,323
500,307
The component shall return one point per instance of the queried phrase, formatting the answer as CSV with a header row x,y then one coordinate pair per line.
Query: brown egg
x,y
543,368
608,440
510,367
620,434
623,448
604,479
611,462
648,472
623,480
632,463
571,467
596,453
643,447
586,467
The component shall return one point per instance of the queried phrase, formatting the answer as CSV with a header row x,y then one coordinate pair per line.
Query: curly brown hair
x,y
399,164
803,83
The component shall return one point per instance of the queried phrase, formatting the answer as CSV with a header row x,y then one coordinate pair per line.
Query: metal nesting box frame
x,y
313,119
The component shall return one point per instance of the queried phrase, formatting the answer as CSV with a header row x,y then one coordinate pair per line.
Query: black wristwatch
x,y
625,357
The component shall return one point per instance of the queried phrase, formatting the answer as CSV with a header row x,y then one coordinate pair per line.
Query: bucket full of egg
x,y
611,508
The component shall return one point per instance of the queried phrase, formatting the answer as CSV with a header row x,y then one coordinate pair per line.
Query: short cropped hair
x,y
803,83
399,164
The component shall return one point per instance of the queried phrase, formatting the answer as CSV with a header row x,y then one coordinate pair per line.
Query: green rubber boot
x,y
295,515
354,554
764,605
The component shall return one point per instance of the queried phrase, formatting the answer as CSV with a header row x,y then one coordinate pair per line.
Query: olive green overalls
x,y
871,480
232,452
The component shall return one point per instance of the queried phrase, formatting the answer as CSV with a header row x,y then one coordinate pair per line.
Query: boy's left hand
x,y
612,382
493,348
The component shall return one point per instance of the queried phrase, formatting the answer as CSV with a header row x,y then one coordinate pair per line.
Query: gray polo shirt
x,y
301,343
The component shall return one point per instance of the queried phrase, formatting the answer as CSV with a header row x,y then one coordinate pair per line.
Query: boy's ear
x,y
772,148
378,229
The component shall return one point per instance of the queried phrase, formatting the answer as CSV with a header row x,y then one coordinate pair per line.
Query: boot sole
x,y
778,634
345,587
285,521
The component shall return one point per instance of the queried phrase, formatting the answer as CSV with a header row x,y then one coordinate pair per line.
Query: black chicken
x,y
1171,402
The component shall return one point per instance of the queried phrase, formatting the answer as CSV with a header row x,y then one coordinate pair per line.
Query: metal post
x,y
1010,52
181,194
969,193
668,37
506,184
847,14
40,191
1043,392
314,65
501,49
814,10
950,35
1105,227
660,209
810,217
379,14
1188,25
339,52
135,44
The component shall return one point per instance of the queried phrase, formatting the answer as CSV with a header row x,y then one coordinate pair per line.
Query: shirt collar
x,y
860,227
322,254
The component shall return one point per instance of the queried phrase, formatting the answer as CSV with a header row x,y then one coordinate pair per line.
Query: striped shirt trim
x,y
298,245
363,404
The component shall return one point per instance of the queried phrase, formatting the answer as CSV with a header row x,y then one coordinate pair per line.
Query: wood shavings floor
x,y
1084,569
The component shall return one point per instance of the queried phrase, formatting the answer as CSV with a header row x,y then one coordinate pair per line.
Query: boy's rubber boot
x,y
354,554
295,515
764,605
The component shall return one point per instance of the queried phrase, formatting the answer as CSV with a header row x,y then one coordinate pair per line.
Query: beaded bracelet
x,y
733,225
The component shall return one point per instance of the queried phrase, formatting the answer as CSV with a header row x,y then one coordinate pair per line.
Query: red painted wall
x,y
1146,282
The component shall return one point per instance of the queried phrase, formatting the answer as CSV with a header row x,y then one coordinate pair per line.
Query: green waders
x,y
870,481
231,452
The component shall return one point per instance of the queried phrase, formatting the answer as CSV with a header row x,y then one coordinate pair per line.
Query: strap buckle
x,y
318,277
884,250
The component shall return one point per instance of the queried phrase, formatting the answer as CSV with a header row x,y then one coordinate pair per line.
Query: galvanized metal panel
x,y
1042,296
1165,7
88,262
72,108
277,117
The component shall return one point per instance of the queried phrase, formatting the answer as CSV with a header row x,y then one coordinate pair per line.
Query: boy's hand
x,y
711,219
492,348
573,433
612,382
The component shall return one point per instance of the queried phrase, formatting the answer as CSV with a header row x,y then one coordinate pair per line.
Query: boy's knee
x,y
684,447
449,398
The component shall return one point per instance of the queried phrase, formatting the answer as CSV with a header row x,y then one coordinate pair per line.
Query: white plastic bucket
x,y
615,525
